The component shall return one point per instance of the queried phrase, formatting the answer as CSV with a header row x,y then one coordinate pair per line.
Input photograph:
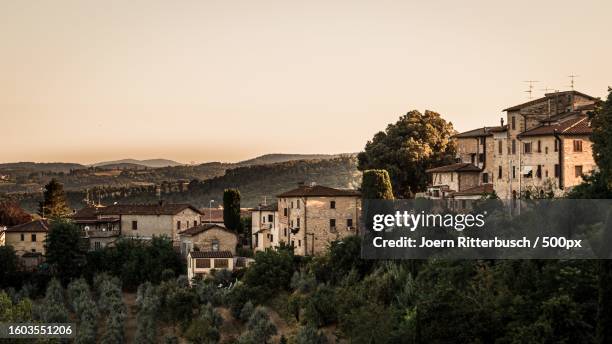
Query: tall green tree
x,y
65,250
602,137
8,266
376,184
231,209
416,142
54,204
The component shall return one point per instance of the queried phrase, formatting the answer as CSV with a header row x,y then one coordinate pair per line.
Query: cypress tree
x,y
231,209
376,184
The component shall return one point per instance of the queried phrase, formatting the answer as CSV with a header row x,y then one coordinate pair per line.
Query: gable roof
x,y
479,132
548,96
575,126
267,207
319,191
458,167
35,226
211,254
203,227
476,190
134,209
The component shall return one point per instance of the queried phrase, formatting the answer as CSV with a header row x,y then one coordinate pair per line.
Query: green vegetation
x,y
407,148
231,209
11,214
65,250
376,185
54,204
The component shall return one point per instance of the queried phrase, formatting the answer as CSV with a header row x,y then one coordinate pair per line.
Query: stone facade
x,y
265,227
27,238
310,218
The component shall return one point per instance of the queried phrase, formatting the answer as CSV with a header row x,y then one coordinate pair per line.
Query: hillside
x,y
254,182
39,167
151,163
276,158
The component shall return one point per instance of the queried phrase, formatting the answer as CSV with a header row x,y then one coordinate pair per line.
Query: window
x,y
134,225
285,230
500,147
527,172
299,243
557,171
202,263
452,176
332,205
349,223
546,150
292,224
298,204
577,145
178,224
513,147
195,223
285,212
22,237
263,219
546,173
298,222
539,171
485,177
33,237
332,224
578,170
481,157
539,146
527,147
291,204
270,218
482,140
215,245
556,145
499,172
97,245
513,122
221,264
271,237
513,172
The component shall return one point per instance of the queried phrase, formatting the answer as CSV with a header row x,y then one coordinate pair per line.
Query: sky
x,y
227,80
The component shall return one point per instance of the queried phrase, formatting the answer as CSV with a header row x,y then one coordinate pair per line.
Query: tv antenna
x,y
530,90
572,77
548,90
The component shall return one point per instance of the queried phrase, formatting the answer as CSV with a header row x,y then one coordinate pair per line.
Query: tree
x,y
602,137
11,214
271,272
309,335
259,328
54,204
231,209
376,184
407,148
8,266
65,251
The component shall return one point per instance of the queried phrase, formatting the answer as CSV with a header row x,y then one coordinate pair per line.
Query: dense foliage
x,y
54,203
376,185
231,209
416,142
11,214
65,250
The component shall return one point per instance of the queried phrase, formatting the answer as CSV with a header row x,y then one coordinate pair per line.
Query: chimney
x,y
502,122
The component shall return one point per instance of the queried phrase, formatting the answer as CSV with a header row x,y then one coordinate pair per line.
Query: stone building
x,y
449,179
28,240
310,217
543,149
265,227
208,237
104,224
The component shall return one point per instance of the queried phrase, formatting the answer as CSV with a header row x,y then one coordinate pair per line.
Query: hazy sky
x,y
225,80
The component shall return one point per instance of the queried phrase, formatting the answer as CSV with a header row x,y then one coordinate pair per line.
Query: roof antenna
x,y
530,90
572,77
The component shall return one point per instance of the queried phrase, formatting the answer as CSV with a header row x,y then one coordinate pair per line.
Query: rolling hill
x,y
151,163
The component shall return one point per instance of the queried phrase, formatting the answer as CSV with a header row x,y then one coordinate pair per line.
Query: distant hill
x,y
152,163
40,166
254,182
278,157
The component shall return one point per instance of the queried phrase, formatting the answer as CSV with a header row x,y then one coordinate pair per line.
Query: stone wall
x,y
27,245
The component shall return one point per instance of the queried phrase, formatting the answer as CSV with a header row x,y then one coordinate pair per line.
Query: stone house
x,y
208,237
446,180
201,263
28,240
265,227
310,217
544,147
102,225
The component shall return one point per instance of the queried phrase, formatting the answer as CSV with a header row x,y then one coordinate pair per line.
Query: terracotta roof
x,y
547,96
318,191
32,226
574,126
458,167
484,131
203,227
268,207
211,254
477,190
212,215
134,209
